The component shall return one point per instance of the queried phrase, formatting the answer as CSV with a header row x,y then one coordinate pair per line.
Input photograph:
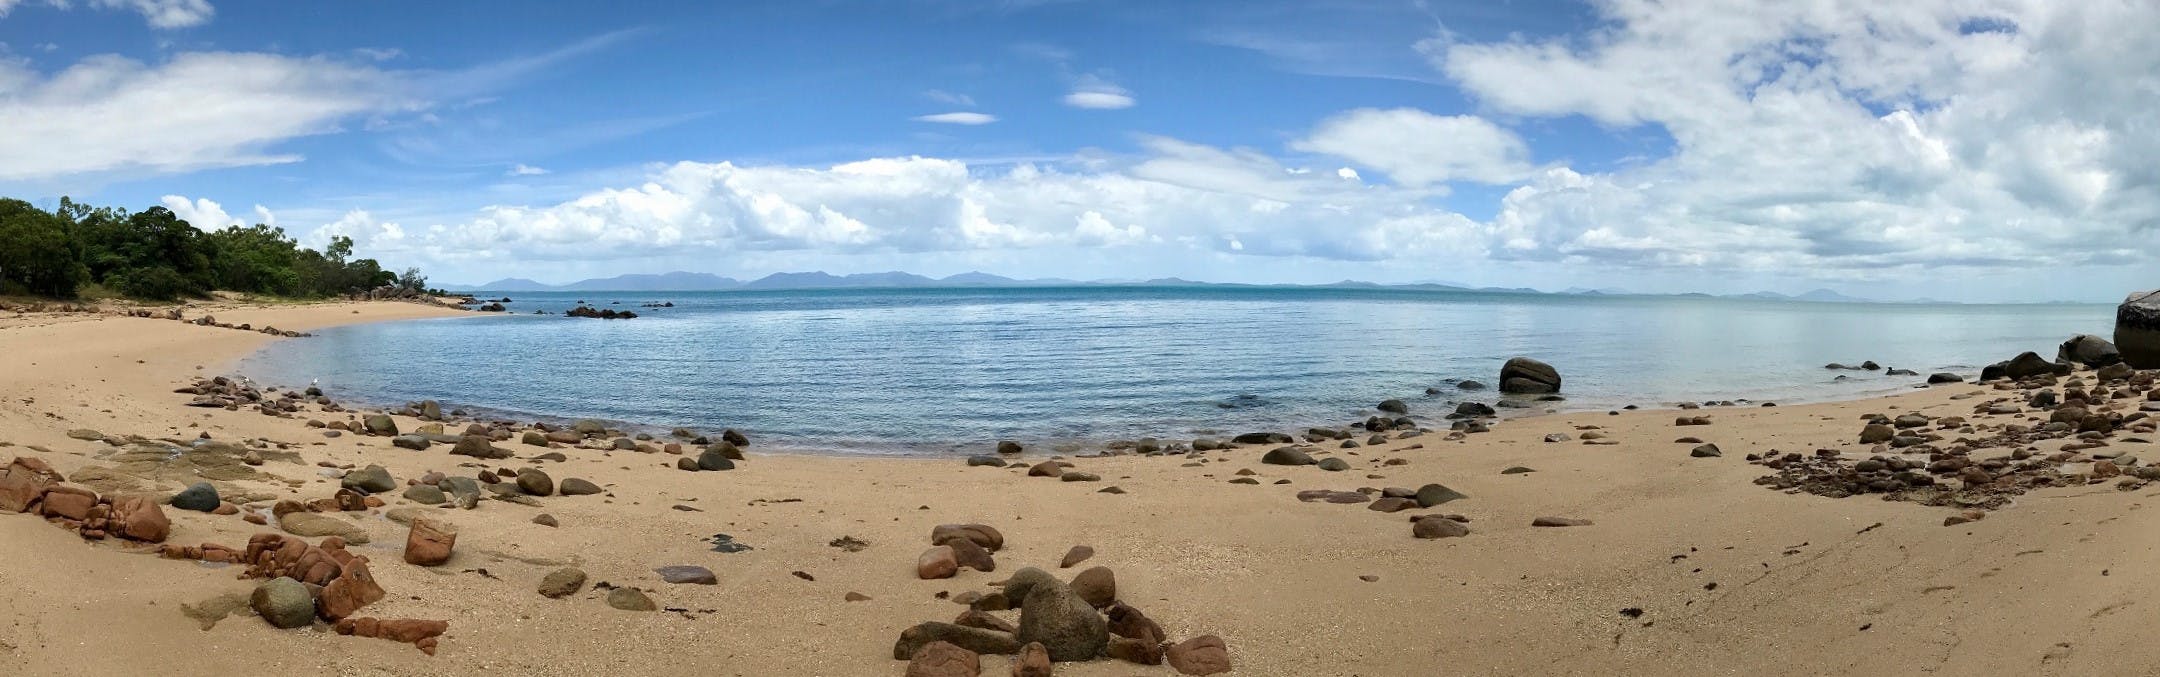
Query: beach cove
x,y
1681,564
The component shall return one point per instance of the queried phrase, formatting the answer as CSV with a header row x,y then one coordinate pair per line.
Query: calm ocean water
x,y
936,370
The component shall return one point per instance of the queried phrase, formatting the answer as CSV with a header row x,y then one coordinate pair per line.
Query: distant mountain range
x,y
690,282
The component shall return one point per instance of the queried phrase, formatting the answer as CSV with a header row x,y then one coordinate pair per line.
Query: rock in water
x,y
284,603
429,543
943,659
199,497
1525,375
562,582
630,599
1008,447
1066,625
2086,349
1393,407
1939,378
1203,655
2137,330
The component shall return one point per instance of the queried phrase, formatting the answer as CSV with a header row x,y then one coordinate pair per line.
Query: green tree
x,y
35,253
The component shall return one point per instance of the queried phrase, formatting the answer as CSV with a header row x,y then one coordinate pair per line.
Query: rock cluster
x,y
29,485
1059,622
604,314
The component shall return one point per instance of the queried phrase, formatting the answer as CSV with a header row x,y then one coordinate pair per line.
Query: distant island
x,y
701,282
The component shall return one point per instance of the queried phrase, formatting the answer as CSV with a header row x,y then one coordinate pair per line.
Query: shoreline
x,y
1688,567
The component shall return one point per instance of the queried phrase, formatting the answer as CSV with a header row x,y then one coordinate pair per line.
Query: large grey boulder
x,y
2086,349
1525,375
2137,329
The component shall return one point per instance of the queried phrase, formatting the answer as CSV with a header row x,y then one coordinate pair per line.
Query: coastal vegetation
x,y
77,249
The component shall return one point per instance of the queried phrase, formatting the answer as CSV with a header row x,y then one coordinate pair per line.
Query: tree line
x,y
154,255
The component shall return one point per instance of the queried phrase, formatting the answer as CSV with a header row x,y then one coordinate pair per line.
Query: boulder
x,y
1939,378
533,438
1097,585
578,487
1434,494
1066,625
715,457
1008,447
1203,655
137,519
1393,407
977,640
478,446
380,424
429,543
284,603
1525,375
2086,349
562,582
413,442
535,482
426,494
199,497
1033,661
937,562
1288,456
372,479
2030,364
315,525
943,659
2137,330
982,534
23,482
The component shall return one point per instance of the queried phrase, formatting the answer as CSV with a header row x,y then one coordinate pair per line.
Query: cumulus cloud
x,y
1096,93
1417,148
164,14
1848,138
205,214
1176,195
958,118
196,111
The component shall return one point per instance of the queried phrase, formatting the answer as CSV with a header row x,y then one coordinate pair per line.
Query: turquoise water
x,y
943,369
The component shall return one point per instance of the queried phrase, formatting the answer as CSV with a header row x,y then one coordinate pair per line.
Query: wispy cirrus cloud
x,y
969,118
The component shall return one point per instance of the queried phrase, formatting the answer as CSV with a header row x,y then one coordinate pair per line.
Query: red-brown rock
x,y
937,562
68,501
23,482
138,519
944,659
419,633
1033,661
1203,655
428,544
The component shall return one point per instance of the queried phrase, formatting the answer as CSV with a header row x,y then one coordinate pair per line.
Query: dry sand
x,y
2058,583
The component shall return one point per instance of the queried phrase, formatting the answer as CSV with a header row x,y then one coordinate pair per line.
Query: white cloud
x,y
166,14
1099,94
204,214
1848,139
1348,173
196,111
1417,148
942,96
958,118
522,169
1176,195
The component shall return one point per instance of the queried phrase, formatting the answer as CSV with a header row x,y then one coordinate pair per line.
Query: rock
x,y
1392,504
23,482
984,535
1705,451
1077,476
1203,655
535,482
630,599
199,497
1433,494
2091,351
977,618
943,659
372,479
1066,624
2028,364
574,487
1261,438
977,640
562,582
684,574
546,520
1078,554
478,446
985,460
429,543
588,427
1434,526
969,554
380,424
1287,456
1525,375
1046,469
1126,621
316,525
937,562
1467,384
1473,410
734,437
1033,661
138,519
1097,585
1393,407
2137,330
715,457
1008,447
1334,464
413,442
1559,522
1877,433
1134,651
534,438
426,494
464,491
284,603
1939,378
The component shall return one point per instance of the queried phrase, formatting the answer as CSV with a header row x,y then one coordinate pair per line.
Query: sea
x,y
944,371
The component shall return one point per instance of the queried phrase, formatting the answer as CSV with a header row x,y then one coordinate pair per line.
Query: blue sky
x,y
1659,146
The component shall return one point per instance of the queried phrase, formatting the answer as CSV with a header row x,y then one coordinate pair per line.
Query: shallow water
x,y
931,370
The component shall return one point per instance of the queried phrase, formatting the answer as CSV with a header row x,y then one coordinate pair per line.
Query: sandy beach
x,y
1687,567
